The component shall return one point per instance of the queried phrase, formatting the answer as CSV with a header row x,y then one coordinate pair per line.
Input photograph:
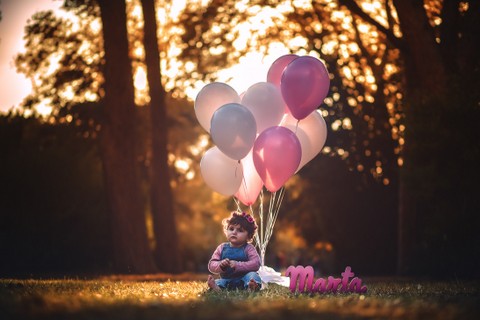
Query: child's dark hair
x,y
243,219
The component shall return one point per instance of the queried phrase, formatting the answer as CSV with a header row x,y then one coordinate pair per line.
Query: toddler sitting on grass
x,y
237,260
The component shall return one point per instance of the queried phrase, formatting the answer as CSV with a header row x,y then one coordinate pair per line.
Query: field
x,y
187,297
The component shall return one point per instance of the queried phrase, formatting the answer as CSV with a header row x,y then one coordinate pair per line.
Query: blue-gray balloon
x,y
233,130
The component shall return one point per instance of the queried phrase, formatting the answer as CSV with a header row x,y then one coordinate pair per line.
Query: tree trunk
x,y
167,254
426,87
117,140
424,67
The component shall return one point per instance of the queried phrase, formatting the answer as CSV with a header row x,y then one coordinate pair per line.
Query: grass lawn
x,y
161,297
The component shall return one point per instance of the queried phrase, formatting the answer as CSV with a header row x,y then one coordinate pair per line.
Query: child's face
x,y
236,235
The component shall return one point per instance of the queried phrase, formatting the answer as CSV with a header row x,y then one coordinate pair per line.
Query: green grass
x,y
134,298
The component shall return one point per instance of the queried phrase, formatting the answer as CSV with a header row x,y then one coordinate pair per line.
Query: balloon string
x,y
244,181
296,126
262,243
245,188
267,220
258,237
239,208
274,208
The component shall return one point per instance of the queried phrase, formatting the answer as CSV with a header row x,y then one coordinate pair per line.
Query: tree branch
x,y
355,8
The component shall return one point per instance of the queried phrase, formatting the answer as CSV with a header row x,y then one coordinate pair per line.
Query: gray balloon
x,y
233,130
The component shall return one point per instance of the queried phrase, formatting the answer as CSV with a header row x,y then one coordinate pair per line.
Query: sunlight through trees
x,y
404,80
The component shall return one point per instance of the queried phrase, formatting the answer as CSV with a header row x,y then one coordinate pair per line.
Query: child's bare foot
x,y
211,283
253,285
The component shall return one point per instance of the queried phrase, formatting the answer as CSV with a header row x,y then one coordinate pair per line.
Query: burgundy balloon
x,y
276,154
305,84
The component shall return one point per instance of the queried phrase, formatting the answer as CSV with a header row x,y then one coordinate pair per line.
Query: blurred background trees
x,y
393,190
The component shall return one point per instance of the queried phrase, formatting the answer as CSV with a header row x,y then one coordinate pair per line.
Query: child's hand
x,y
233,264
224,264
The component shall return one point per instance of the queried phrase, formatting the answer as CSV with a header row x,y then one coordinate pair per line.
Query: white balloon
x,y
312,133
233,130
210,98
221,173
265,102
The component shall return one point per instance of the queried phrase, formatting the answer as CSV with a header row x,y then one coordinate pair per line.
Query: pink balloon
x,y
305,84
276,155
251,184
275,71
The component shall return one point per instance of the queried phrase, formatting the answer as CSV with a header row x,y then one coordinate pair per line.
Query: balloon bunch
x,y
265,135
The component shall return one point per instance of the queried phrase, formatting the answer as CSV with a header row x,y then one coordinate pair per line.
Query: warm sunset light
x,y
141,85
252,67
239,158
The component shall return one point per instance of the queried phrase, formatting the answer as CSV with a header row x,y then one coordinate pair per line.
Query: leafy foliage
x,y
63,59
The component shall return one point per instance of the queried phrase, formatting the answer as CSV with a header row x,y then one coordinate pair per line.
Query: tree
x,y
438,46
65,64
117,138
166,249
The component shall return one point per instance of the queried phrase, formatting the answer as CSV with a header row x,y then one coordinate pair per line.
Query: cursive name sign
x,y
304,277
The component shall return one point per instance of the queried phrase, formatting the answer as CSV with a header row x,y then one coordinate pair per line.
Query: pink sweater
x,y
241,267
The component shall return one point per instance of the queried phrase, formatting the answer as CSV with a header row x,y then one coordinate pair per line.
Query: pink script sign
x,y
304,277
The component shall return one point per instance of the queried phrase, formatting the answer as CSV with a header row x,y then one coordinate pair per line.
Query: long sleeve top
x,y
241,267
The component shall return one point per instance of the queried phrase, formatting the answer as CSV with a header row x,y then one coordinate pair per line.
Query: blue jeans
x,y
239,283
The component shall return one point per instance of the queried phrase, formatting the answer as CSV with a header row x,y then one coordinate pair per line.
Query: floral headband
x,y
248,217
